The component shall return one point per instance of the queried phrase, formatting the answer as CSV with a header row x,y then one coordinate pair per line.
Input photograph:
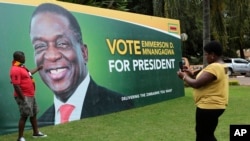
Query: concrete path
x,y
241,79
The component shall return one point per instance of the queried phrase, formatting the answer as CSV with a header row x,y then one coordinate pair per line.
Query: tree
x,y
158,8
238,24
224,20
206,25
109,4
218,25
141,7
189,12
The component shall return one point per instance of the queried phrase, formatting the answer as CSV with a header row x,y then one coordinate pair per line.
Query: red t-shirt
x,y
20,76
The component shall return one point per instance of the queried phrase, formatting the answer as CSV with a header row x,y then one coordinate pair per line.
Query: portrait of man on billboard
x,y
59,47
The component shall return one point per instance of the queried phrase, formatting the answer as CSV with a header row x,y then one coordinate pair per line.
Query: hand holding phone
x,y
181,65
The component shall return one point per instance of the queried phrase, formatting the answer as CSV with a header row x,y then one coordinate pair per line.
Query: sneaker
x,y
39,135
21,139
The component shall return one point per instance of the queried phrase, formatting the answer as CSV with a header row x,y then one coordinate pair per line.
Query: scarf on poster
x,y
19,64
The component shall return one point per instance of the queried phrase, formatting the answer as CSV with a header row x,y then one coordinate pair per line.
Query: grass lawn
x,y
171,120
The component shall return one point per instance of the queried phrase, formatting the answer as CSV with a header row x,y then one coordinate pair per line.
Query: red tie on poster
x,y
65,112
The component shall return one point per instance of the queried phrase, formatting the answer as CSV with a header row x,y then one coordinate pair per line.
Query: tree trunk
x,y
206,26
158,8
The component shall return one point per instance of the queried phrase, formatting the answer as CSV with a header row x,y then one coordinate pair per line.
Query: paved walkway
x,y
242,80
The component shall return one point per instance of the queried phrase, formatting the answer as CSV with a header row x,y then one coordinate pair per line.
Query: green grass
x,y
171,120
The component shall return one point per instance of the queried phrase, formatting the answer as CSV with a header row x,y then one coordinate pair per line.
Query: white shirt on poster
x,y
76,99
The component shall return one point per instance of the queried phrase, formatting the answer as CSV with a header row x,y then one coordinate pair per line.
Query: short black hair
x,y
214,47
53,8
17,55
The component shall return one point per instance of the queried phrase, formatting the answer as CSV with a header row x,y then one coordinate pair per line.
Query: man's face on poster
x,y
55,49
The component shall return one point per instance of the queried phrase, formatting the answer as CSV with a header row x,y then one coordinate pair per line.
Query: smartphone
x,y
181,65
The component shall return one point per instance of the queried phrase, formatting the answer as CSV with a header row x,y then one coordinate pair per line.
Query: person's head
x,y
213,51
19,56
57,40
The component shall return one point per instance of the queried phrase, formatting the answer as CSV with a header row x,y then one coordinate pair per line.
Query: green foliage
x,y
230,24
172,120
110,4
189,12
141,7
230,21
237,18
234,82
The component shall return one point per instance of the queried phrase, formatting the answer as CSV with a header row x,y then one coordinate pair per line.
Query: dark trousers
x,y
206,123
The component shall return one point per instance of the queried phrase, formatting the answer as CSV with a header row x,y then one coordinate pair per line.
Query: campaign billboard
x,y
101,61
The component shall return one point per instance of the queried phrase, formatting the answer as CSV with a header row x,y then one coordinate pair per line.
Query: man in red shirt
x,y
24,93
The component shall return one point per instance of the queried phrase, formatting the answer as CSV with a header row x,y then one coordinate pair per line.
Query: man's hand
x,y
39,68
18,91
36,69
